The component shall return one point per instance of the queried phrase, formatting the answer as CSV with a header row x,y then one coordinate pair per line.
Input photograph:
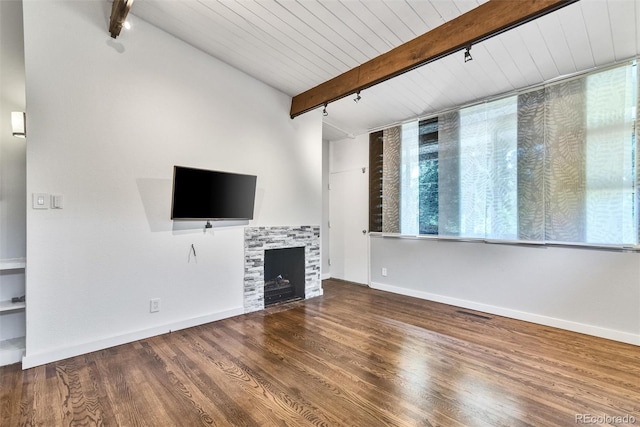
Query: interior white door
x,y
349,221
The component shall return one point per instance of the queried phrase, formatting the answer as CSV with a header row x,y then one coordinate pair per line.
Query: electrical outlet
x,y
154,305
384,271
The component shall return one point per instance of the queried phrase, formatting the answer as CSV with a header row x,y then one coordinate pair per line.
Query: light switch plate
x,y
56,201
40,201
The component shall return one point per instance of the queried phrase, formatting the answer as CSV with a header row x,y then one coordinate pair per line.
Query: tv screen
x,y
209,195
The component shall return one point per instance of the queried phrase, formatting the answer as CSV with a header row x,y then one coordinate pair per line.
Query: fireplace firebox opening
x,y
284,275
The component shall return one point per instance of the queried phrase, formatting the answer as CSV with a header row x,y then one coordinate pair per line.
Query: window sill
x,y
526,243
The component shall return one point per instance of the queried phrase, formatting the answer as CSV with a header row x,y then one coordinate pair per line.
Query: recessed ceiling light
x,y
127,25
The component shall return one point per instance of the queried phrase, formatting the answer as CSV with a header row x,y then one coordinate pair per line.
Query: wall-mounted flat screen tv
x,y
200,194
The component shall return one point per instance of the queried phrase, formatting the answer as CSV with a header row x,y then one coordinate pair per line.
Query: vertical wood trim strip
x,y
375,181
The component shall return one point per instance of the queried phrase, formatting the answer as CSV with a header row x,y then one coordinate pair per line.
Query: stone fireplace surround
x,y
259,239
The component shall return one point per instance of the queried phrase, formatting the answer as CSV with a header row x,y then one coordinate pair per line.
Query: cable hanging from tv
x,y
192,250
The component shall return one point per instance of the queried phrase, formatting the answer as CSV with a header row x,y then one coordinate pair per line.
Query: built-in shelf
x,y
12,350
11,306
12,263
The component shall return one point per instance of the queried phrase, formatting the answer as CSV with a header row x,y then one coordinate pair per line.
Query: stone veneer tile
x,y
259,239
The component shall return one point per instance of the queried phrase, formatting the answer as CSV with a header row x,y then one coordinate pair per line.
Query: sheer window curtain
x,y
610,157
552,165
477,191
410,180
590,159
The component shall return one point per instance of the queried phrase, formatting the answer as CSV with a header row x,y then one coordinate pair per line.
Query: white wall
x,y
324,229
12,164
108,119
591,291
12,149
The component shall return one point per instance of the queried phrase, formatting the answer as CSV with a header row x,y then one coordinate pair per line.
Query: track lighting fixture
x,y
357,98
467,54
324,110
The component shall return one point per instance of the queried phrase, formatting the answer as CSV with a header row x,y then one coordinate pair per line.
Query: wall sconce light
x,y
18,121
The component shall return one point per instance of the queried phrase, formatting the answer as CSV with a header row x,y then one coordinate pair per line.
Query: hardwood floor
x,y
353,357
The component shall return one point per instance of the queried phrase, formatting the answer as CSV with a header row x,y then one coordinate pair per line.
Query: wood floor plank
x,y
80,404
290,367
351,366
353,357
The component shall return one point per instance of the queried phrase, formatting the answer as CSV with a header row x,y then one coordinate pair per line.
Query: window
x,y
428,176
557,164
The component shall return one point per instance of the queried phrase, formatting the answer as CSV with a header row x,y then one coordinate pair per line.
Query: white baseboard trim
x,y
326,276
31,360
568,325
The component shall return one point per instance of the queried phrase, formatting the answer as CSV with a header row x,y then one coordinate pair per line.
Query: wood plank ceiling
x,y
296,45
478,24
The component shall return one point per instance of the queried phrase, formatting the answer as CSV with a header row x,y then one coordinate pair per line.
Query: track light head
x,y
467,54
357,98
324,111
